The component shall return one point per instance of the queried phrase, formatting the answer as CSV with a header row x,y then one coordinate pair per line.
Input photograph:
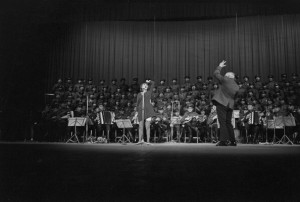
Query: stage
x,y
160,172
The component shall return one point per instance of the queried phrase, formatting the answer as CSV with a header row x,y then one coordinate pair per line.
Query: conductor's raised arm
x,y
217,72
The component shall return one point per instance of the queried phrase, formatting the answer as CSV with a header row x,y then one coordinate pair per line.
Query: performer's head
x,y
190,108
144,86
250,107
101,107
213,108
177,112
230,75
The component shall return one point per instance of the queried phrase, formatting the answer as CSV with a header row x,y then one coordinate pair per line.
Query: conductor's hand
x,y
222,64
148,81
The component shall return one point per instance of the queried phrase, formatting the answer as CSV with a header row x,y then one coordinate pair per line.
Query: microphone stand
x,y
143,114
86,126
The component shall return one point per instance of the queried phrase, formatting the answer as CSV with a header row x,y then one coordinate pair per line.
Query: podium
x,y
124,123
76,121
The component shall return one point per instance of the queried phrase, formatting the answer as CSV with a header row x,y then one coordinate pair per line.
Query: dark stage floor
x,y
161,172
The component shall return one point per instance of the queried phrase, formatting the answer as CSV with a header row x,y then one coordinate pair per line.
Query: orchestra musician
x,y
212,124
176,124
253,123
104,120
241,124
189,122
293,130
202,126
224,100
161,123
145,110
296,114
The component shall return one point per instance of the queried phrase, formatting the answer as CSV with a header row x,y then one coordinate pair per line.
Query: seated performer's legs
x,y
184,132
214,132
202,133
177,129
107,131
190,130
256,134
99,130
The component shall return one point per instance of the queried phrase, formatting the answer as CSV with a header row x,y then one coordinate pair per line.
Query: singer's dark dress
x,y
149,111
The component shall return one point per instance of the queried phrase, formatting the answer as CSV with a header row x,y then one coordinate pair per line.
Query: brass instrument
x,y
211,118
190,118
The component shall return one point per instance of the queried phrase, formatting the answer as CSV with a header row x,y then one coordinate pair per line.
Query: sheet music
x,y
124,123
77,121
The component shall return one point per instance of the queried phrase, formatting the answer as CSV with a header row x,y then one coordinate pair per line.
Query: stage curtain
x,y
173,49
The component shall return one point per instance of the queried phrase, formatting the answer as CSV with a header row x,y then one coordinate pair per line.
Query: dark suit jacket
x,y
227,89
149,111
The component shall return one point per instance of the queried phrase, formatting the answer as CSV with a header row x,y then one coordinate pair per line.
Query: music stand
x,y
76,121
287,121
270,125
124,123
276,123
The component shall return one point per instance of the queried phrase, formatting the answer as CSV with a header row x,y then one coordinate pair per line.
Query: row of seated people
x,y
175,121
262,95
87,87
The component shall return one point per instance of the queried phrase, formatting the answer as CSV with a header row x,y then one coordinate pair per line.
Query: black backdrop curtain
x,y
172,49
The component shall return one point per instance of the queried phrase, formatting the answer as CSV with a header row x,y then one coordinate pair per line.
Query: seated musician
x,y
175,124
60,120
160,124
119,114
189,123
241,123
212,124
104,121
253,124
90,121
78,112
292,131
296,114
202,126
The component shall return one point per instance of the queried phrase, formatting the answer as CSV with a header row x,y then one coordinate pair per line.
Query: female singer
x,y
145,110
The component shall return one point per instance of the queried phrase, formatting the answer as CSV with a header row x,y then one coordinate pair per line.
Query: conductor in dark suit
x,y
224,101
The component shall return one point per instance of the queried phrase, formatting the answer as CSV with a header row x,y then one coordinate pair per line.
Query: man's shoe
x,y
221,143
232,143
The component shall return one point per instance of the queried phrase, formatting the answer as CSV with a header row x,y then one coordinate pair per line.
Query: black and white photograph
x,y
150,100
